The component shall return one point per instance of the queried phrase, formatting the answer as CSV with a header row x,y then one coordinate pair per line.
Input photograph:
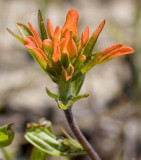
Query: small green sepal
x,y
52,95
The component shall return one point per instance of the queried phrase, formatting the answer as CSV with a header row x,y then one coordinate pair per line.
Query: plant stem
x,y
79,136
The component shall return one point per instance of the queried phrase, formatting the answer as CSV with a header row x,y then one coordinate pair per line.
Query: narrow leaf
x,y
77,84
42,26
6,135
76,98
17,37
90,64
52,95
91,43
24,30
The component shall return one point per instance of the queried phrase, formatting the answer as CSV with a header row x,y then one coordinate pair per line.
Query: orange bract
x,y
69,45
71,23
113,51
62,52
35,35
50,29
30,42
98,30
86,35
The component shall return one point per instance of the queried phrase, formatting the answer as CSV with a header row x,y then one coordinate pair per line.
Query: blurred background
x,y
110,117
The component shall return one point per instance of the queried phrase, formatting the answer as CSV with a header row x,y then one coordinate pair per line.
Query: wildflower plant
x,y
66,59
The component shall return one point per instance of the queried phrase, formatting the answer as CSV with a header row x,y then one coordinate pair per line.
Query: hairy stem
x,y
78,134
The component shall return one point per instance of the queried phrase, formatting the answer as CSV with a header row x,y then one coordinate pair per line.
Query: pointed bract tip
x,y
73,10
39,14
104,21
9,30
39,11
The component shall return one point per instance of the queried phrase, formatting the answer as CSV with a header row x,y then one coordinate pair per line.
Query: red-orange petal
x,y
57,36
41,57
98,30
121,51
61,43
84,39
50,29
71,23
69,45
30,42
57,33
35,35
40,53
65,43
110,49
86,35
67,76
114,51
56,54
81,43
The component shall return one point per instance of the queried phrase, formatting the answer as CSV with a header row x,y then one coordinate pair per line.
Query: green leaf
x,y
52,95
38,154
42,26
41,137
77,75
6,135
76,98
90,64
77,84
24,30
91,43
17,37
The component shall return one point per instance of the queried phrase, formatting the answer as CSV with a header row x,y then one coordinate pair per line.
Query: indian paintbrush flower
x,y
63,56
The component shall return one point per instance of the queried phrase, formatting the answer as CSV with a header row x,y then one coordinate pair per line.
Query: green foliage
x,y
42,26
6,135
24,30
90,64
17,37
52,95
41,136
77,84
90,46
65,101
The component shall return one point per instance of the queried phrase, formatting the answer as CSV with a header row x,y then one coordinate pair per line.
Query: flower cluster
x,y
64,57
60,53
